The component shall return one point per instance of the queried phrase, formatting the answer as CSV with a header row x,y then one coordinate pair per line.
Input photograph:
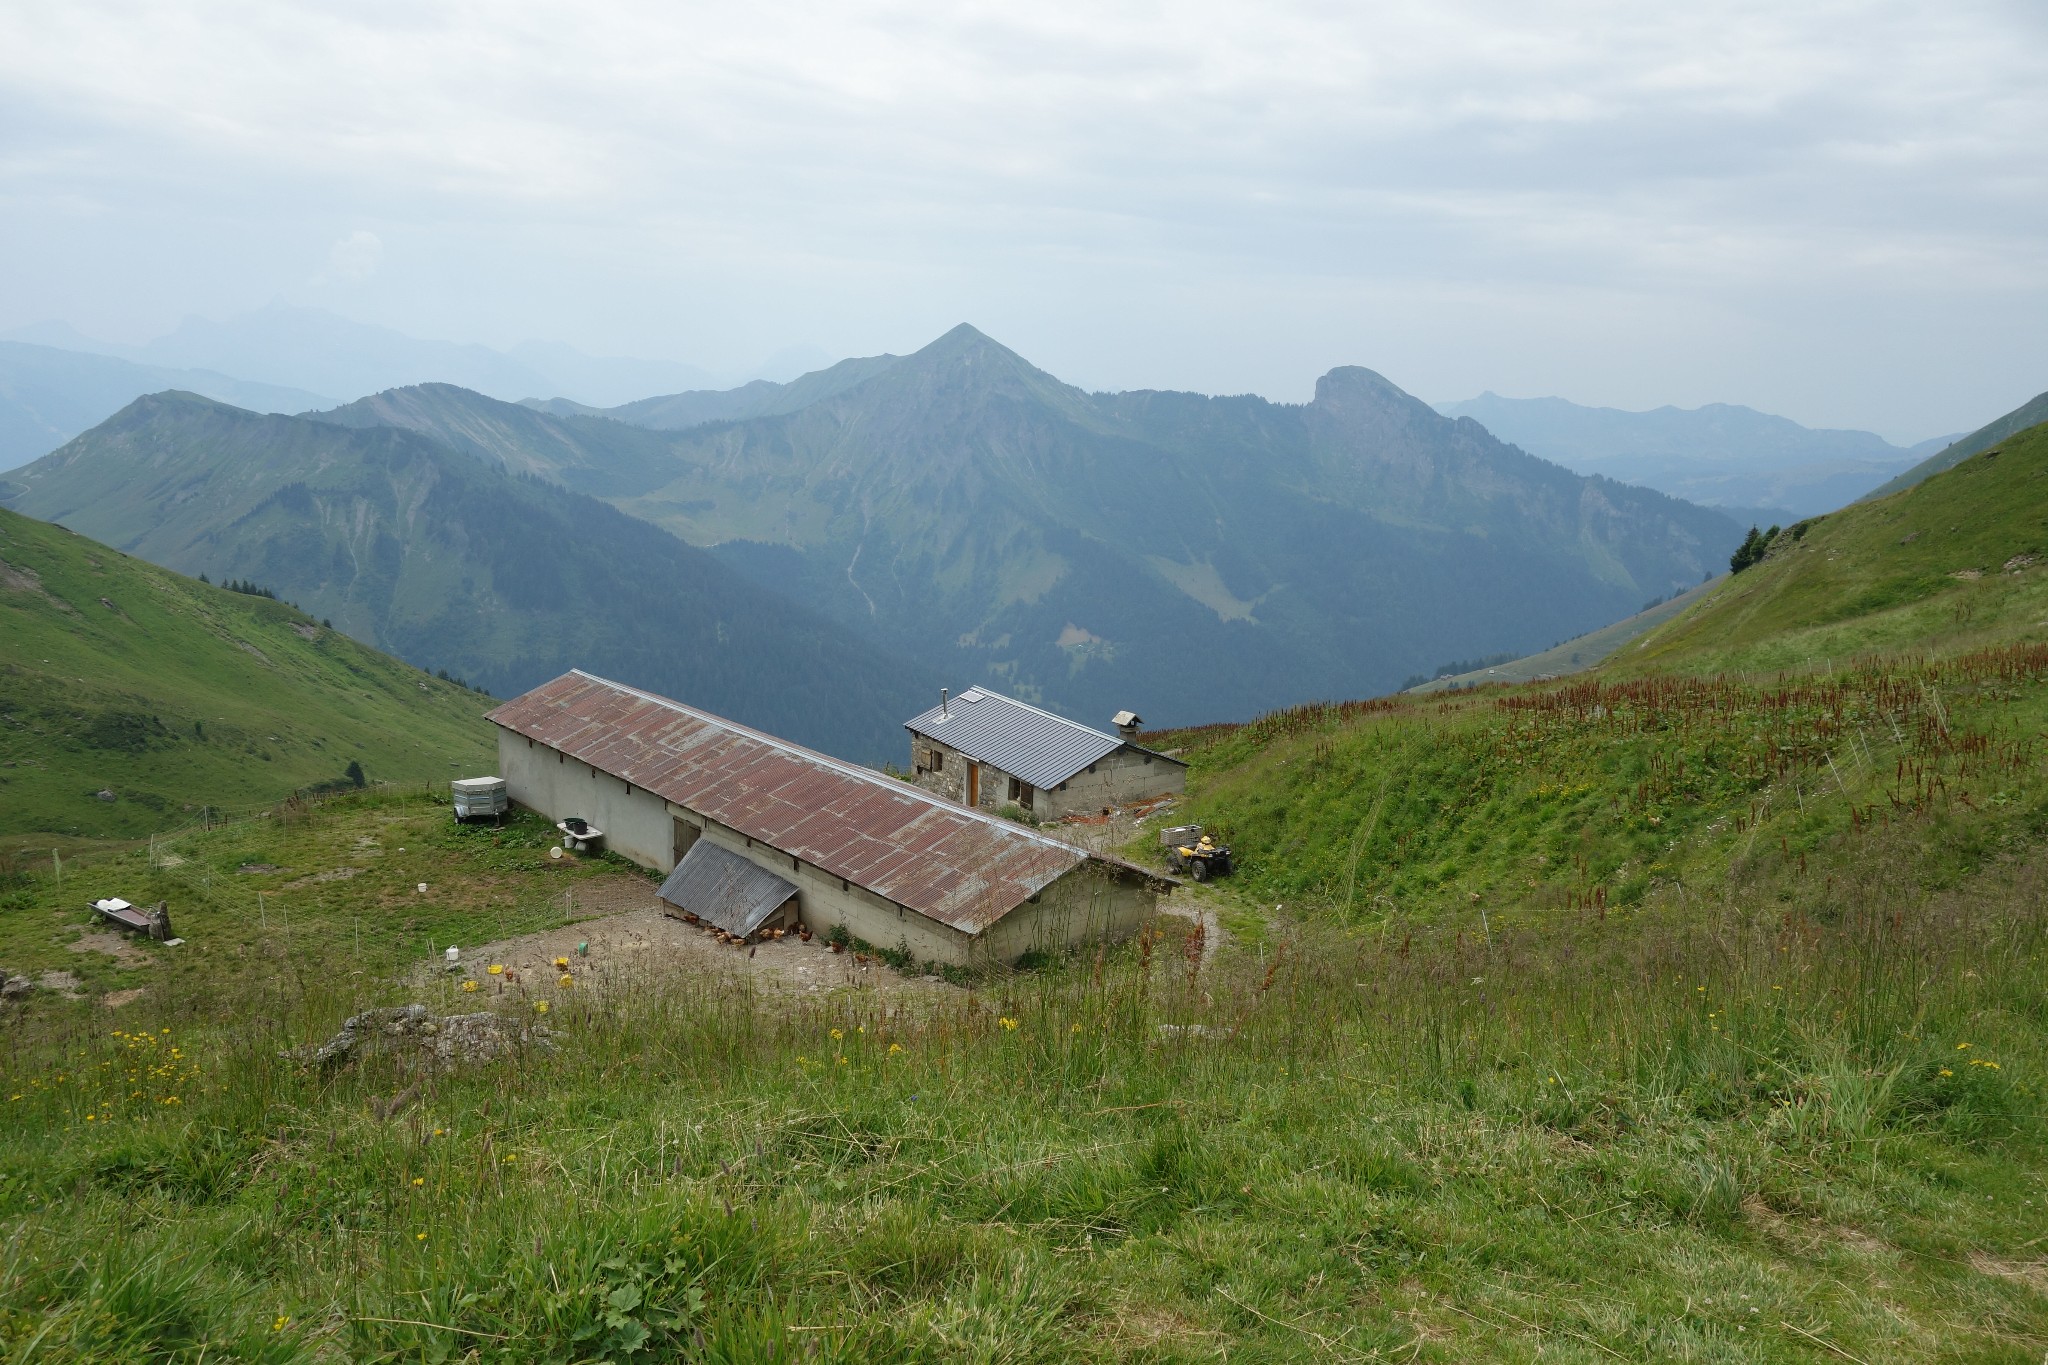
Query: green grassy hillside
x,y
1956,561
1886,662
451,562
171,695
2030,413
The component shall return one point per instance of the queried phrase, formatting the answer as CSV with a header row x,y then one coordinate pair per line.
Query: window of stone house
x,y
938,761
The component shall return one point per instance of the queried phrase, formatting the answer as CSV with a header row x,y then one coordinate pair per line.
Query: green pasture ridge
x,y
134,699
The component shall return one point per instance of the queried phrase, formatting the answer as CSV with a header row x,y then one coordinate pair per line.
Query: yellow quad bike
x,y
1203,860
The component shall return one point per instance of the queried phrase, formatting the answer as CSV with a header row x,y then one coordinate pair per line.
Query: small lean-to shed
x,y
897,866
727,891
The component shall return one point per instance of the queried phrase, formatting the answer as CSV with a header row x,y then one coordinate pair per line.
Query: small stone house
x,y
989,751
756,833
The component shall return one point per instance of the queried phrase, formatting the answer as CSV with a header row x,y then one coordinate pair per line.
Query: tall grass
x,y
1591,1137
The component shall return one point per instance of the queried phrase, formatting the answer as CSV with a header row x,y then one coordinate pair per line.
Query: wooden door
x,y
973,783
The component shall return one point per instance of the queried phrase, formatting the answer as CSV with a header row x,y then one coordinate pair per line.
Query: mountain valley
x,y
1194,556
455,563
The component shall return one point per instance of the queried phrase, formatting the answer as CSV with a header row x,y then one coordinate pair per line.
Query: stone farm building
x,y
986,750
755,832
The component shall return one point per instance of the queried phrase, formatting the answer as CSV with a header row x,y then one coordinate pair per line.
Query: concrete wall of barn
x,y
1089,903
635,821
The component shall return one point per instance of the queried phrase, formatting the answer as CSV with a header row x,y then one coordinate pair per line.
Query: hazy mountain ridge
x,y
595,455
450,561
48,395
1197,555
319,351
1720,454
760,398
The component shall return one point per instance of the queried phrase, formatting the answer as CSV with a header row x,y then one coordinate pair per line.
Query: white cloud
x,y
353,259
662,175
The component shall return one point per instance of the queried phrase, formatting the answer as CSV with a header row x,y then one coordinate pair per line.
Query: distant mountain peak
x,y
968,342
1348,380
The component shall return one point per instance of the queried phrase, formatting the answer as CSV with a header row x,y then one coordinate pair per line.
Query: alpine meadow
x,y
1689,1008
758,684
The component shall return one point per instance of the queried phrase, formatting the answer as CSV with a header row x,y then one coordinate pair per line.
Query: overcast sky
x,y
1837,211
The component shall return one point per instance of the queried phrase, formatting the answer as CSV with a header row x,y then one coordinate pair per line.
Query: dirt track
x,y
635,942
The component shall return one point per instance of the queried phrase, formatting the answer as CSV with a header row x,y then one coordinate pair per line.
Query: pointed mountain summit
x,y
1195,557
1206,555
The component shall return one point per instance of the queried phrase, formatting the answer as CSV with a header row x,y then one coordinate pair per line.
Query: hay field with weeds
x,y
1796,1120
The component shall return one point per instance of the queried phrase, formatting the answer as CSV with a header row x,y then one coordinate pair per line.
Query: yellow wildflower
x,y
1962,1047
469,985
562,962
419,1236
1008,1023
419,1180
895,1048
496,969
566,980
282,1322
841,1059
1946,1072
837,1034
540,1007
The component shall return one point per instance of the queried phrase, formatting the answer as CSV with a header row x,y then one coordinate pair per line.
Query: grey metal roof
x,y
960,867
719,885
1037,746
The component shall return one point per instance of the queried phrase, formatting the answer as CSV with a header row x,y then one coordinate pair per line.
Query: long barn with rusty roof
x,y
755,831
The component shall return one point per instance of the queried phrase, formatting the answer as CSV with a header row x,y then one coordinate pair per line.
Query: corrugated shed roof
x,y
719,885
1038,746
955,865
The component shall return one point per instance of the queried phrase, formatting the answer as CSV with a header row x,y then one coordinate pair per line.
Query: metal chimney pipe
x,y
942,703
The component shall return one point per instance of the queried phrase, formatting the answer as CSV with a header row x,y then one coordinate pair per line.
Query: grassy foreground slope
x,y
171,695
1800,1125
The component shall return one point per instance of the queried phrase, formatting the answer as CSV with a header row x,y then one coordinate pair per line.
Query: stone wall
x,y
1129,774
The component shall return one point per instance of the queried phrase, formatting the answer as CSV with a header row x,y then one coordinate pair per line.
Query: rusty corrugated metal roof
x,y
953,864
